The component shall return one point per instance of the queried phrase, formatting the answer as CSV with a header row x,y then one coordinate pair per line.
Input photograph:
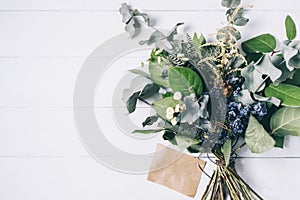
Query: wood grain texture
x,y
43,46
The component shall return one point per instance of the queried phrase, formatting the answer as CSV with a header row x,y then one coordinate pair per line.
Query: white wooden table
x,y
43,44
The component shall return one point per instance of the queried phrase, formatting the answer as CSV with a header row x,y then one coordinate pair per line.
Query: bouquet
x,y
219,96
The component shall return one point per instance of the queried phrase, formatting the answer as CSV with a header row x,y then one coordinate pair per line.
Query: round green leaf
x,y
288,94
185,81
257,138
261,44
286,121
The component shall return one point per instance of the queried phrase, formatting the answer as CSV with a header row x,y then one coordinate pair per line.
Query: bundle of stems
x,y
225,183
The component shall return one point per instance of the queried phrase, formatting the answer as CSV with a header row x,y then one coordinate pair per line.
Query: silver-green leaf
x,y
257,138
286,121
231,3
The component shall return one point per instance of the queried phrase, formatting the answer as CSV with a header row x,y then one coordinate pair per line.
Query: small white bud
x,y
169,113
174,121
177,108
177,95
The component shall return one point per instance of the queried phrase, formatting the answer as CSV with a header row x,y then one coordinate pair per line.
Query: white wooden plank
x,y
51,132
84,178
39,132
79,33
90,5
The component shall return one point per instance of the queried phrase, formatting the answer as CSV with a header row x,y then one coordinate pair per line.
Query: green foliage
x,y
253,73
140,72
198,41
170,136
286,121
231,3
288,94
253,57
257,138
228,35
131,19
131,102
226,151
161,105
150,120
149,131
235,16
149,90
185,81
261,44
279,141
295,79
156,71
290,28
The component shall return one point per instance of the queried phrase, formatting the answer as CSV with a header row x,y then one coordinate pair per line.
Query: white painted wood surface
x,y
43,45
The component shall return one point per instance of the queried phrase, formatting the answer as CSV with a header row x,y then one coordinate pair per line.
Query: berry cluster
x,y
237,113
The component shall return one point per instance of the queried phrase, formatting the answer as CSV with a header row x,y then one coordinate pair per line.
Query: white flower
x,y
180,55
177,95
158,59
177,108
174,121
170,112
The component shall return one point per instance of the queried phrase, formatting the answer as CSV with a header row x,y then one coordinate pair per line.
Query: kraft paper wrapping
x,y
175,170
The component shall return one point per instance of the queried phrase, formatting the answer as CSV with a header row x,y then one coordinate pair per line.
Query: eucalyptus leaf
x,y
266,67
140,72
254,81
173,32
228,35
148,131
149,90
155,38
280,63
185,81
289,50
286,121
288,94
231,3
161,105
264,43
192,111
290,28
244,96
235,16
131,102
226,151
257,138
272,100
150,120
156,71
130,18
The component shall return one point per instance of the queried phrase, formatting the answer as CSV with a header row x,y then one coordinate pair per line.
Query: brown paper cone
x,y
177,171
